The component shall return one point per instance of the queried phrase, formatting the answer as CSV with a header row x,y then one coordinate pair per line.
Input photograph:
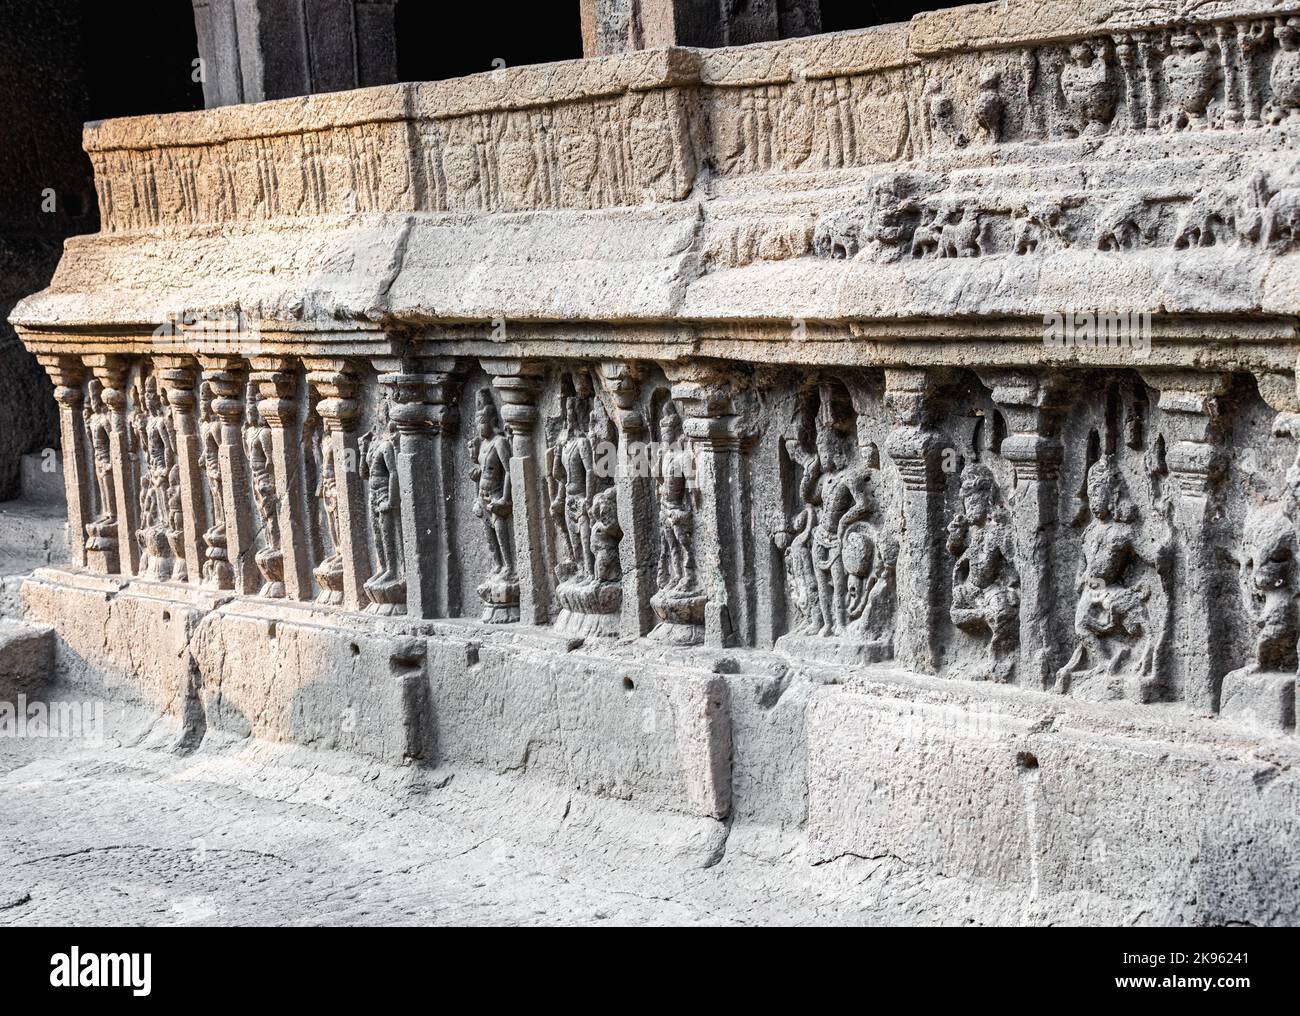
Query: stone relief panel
x,y
580,467
837,538
1040,538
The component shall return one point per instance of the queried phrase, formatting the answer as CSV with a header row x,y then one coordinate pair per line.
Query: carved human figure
x,y
330,572
985,582
99,425
679,601
158,456
259,450
1268,581
216,567
676,512
1123,607
386,587
1087,88
490,453
574,486
989,107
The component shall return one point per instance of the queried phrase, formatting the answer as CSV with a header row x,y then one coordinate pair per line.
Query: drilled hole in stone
x,y
167,616
628,685
1027,760
354,649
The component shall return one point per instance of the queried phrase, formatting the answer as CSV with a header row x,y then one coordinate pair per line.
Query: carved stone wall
x,y
956,355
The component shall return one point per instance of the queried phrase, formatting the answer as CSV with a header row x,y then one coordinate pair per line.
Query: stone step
x,y
26,657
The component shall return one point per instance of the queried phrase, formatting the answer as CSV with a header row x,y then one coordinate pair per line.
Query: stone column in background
x,y
111,372
917,451
343,574
722,542
1031,404
623,26
1189,404
227,377
518,384
69,377
636,491
254,50
277,383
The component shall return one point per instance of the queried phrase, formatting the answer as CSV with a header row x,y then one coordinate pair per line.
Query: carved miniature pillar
x,y
226,376
635,488
423,408
278,385
1033,447
722,542
336,383
1189,404
177,375
111,373
68,376
917,451
517,382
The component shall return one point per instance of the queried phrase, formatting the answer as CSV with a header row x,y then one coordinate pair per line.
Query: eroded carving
x,y
387,586
490,454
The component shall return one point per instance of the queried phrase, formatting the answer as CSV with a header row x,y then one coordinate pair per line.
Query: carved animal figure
x,y
1122,225
960,235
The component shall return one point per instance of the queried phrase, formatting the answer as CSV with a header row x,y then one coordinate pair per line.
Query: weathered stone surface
x,y
598,424
26,658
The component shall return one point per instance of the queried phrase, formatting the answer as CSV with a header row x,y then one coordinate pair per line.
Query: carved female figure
x,y
387,587
99,425
1087,87
679,602
216,569
259,450
494,507
985,583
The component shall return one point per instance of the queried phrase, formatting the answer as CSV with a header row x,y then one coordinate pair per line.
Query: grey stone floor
x,y
129,832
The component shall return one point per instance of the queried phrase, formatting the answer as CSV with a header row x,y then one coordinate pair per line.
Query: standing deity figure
x,y
490,453
1264,691
590,592
1122,615
158,456
387,587
329,573
679,602
574,486
259,449
985,583
102,532
795,541
216,570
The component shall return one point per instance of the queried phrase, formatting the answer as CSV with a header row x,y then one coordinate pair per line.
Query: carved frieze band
x,y
647,144
980,525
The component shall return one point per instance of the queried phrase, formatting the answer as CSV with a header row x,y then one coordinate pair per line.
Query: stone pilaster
x,y
69,376
336,382
178,378
1189,403
636,494
277,384
227,377
518,384
722,542
111,372
424,410
917,450
1031,405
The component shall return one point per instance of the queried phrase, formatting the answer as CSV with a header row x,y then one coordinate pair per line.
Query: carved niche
x,y
840,552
